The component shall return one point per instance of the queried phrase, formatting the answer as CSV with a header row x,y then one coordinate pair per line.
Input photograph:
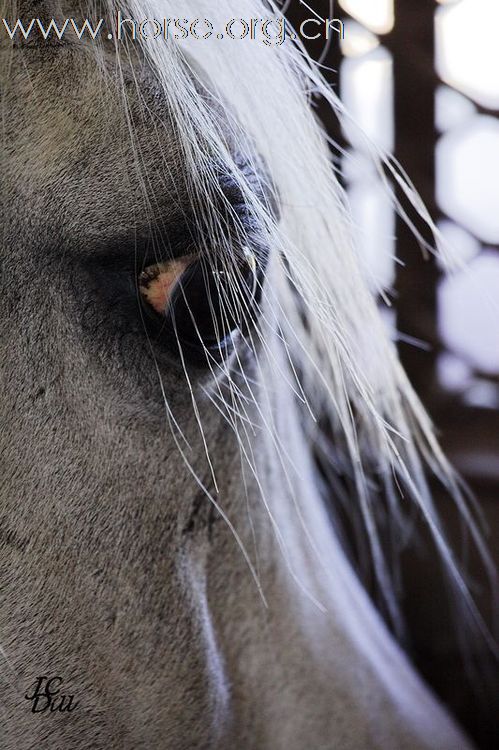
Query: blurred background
x,y
422,79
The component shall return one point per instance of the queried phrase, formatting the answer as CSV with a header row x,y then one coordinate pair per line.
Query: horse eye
x,y
199,305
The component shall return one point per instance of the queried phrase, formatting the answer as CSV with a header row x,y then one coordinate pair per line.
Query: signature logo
x,y
47,696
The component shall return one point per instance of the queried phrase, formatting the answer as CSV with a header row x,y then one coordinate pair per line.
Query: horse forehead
x,y
52,99
68,144
55,130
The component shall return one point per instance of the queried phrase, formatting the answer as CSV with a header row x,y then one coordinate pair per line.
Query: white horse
x,y
182,302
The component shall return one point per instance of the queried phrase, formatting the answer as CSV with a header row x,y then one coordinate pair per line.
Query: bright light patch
x,y
453,373
483,394
377,15
457,246
469,313
374,219
467,48
468,176
367,93
358,40
451,109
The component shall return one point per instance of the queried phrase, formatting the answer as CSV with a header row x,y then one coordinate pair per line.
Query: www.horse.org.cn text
x,y
271,32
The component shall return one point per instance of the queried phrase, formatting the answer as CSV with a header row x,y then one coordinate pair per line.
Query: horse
x,y
183,309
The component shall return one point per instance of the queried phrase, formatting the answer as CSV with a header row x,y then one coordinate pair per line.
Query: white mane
x,y
323,346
